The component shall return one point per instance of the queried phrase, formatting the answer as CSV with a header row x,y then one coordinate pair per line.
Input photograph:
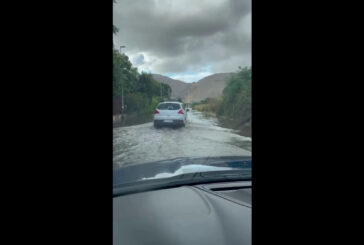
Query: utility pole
x,y
122,104
122,94
161,92
122,99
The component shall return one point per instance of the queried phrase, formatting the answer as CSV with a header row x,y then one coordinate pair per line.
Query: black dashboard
x,y
218,213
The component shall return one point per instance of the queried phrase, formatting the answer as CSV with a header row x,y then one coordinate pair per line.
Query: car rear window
x,y
169,106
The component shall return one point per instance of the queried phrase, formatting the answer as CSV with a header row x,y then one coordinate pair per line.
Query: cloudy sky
x,y
185,39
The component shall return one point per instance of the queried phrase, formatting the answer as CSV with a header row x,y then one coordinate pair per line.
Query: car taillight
x,y
156,112
180,112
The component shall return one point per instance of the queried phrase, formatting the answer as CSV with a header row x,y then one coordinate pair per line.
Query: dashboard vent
x,y
239,192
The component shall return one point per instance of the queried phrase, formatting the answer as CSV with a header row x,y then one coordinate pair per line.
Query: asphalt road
x,y
202,137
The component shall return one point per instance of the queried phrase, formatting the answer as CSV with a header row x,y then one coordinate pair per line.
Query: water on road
x,y
202,137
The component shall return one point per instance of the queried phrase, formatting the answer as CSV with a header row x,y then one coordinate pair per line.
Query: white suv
x,y
170,113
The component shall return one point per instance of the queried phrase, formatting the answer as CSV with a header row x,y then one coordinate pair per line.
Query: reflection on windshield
x,y
134,173
188,169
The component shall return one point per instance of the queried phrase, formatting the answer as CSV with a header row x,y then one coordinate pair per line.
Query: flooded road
x,y
202,137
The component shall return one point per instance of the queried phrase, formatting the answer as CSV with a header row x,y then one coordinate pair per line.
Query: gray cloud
x,y
185,35
138,60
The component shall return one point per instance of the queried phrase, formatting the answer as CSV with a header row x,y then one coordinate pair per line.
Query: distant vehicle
x,y
170,113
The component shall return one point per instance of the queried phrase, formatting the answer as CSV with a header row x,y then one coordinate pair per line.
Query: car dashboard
x,y
214,213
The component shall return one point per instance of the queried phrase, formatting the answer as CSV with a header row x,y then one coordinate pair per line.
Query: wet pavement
x,y
202,137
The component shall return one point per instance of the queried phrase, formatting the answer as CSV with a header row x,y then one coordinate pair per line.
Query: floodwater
x,y
202,137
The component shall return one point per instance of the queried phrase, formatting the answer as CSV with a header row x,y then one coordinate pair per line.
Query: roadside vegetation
x,y
208,106
141,92
235,103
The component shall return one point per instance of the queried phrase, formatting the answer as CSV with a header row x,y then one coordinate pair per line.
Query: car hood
x,y
173,167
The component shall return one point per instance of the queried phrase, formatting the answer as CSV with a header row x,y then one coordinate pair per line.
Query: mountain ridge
x,y
208,87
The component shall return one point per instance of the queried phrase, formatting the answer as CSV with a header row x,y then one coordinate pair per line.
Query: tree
x,y
115,30
236,99
141,91
124,75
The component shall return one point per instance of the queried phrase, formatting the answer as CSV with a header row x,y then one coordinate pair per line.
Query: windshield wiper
x,y
180,180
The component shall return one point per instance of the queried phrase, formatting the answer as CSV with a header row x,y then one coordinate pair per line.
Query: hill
x,y
179,88
208,87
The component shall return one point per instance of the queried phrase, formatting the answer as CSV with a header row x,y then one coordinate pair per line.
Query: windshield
x,y
181,88
169,106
